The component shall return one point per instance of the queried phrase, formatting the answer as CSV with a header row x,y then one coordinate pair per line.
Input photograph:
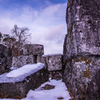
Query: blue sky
x,y
45,19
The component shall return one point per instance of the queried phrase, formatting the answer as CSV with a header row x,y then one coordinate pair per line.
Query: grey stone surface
x,y
18,87
22,60
31,54
2,69
35,49
5,57
55,74
82,49
83,28
82,75
54,62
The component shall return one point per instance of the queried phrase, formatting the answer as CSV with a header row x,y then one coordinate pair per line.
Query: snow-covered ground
x,y
60,91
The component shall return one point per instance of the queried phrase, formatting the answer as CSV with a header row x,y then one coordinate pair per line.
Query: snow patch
x,y
24,70
60,90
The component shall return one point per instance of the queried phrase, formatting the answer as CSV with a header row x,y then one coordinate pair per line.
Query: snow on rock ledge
x,y
25,69
53,61
17,86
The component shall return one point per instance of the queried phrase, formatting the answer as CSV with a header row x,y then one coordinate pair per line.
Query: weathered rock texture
x,y
53,62
18,87
22,60
31,54
5,58
83,26
54,65
82,49
2,69
81,74
35,49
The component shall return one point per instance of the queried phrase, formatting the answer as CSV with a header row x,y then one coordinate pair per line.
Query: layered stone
x,y
5,58
54,62
34,49
2,69
83,26
82,76
82,49
31,54
18,87
22,60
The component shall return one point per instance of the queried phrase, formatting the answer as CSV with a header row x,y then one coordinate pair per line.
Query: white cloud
x,y
48,25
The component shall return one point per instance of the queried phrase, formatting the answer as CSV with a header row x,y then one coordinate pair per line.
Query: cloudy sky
x,y
45,19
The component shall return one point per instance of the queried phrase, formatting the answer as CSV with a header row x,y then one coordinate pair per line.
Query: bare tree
x,y
21,35
16,41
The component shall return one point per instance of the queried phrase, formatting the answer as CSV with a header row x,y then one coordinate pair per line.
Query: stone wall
x,y
53,62
31,54
83,26
22,60
82,49
18,87
81,74
5,58
34,49
54,65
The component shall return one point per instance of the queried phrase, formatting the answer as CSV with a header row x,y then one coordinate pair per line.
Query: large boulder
x,y
53,61
83,28
34,49
19,61
82,49
82,76
12,86
5,57
54,65
31,54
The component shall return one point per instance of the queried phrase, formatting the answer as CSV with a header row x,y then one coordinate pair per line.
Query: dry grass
x,y
60,98
48,87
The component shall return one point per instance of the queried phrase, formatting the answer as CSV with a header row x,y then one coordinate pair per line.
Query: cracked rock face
x,y
53,62
35,49
18,87
82,49
22,60
83,25
31,54
5,58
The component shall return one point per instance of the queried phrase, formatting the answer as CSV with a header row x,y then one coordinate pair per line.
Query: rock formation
x,y
18,87
82,49
53,62
31,54
54,65
5,58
